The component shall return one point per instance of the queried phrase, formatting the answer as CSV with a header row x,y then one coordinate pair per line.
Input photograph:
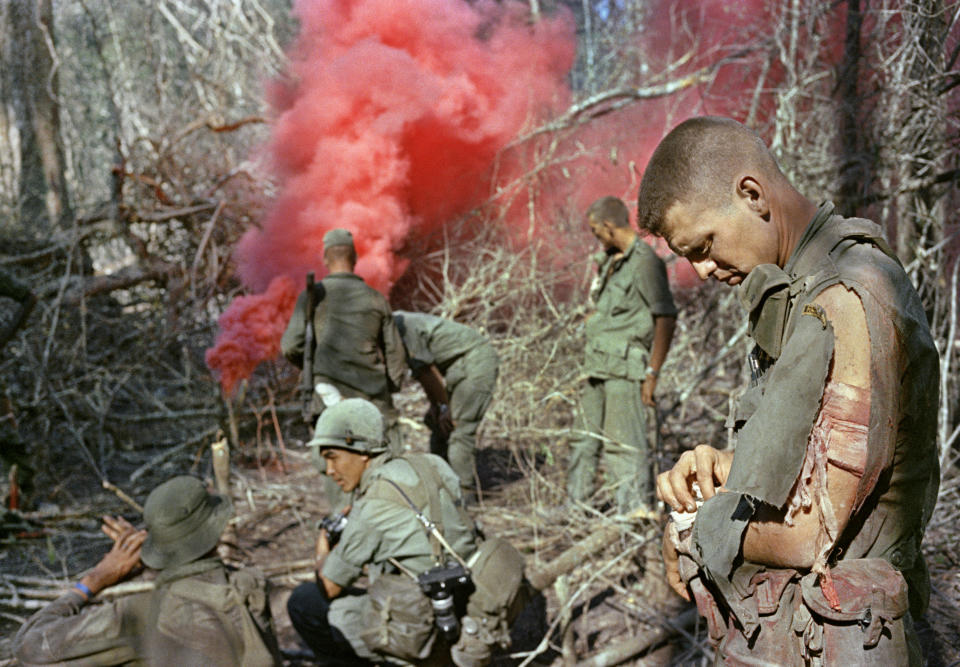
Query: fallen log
x,y
543,577
623,651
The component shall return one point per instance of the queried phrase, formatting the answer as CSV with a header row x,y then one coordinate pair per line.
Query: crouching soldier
x,y
437,592
199,613
457,367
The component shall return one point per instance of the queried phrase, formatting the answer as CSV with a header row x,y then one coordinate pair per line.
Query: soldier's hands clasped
x,y
704,465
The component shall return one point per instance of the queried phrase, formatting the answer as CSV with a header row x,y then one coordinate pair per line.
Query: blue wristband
x,y
82,587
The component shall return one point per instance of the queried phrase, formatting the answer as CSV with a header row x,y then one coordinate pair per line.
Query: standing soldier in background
x,y
356,348
628,337
811,554
457,368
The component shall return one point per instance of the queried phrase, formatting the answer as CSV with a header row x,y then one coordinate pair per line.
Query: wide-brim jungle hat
x,y
184,522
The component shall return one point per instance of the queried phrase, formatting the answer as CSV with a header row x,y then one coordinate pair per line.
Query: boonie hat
x,y
184,522
337,237
354,424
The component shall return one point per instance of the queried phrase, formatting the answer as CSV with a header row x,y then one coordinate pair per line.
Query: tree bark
x,y
28,84
855,167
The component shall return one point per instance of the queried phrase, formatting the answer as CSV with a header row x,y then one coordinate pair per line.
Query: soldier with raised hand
x,y
457,367
408,531
199,613
357,351
627,339
806,550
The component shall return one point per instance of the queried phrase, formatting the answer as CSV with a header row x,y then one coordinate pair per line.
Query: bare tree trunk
x,y
28,84
855,163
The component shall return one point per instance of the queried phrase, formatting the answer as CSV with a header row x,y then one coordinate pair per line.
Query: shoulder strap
x,y
432,524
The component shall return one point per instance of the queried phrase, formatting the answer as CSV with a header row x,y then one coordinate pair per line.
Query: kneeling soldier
x,y
199,613
434,585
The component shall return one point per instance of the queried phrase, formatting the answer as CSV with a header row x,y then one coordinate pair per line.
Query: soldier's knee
x,y
306,603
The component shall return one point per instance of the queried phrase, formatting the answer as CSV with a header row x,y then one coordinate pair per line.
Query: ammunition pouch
x,y
867,627
400,620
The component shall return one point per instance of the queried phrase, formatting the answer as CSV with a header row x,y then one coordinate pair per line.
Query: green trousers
x,y
611,423
470,381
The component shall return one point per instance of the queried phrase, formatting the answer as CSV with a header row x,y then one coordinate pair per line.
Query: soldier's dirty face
x,y
345,467
602,230
723,243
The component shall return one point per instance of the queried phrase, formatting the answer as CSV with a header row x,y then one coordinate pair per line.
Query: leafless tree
x,y
32,166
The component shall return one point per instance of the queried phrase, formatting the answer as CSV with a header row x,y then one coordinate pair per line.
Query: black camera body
x,y
334,525
442,584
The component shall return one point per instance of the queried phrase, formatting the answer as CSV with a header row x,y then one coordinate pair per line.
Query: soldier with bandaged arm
x,y
806,549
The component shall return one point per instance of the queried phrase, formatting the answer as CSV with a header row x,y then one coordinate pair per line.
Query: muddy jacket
x,y
630,291
899,472
357,342
199,615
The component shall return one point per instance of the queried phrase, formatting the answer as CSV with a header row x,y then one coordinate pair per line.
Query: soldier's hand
x,y
671,566
445,422
704,465
116,527
119,561
646,391
323,545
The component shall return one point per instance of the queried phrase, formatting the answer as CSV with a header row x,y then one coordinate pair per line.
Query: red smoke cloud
x,y
396,111
394,115
250,332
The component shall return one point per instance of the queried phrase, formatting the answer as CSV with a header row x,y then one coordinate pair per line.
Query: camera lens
x,y
444,616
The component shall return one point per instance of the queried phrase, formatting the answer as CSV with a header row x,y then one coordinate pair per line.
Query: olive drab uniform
x,y
857,604
630,291
468,363
199,614
393,618
357,349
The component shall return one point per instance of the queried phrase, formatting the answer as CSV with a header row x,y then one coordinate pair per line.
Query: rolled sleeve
x,y
357,546
651,280
339,571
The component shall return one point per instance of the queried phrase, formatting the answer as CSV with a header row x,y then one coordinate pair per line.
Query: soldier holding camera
x,y
436,589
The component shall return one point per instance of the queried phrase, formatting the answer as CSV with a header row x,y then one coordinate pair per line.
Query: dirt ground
x,y
610,597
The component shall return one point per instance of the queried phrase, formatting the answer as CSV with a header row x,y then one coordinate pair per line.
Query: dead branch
x,y
125,278
543,576
623,651
123,496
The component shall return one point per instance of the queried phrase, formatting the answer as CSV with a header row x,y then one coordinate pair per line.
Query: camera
x,y
441,585
334,525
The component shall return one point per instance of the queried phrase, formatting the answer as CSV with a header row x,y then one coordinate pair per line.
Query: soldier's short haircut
x,y
340,253
610,209
697,162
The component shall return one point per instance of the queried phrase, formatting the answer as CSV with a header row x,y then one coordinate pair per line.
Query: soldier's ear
x,y
753,193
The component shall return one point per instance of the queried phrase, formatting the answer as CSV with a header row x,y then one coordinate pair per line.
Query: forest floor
x,y
607,598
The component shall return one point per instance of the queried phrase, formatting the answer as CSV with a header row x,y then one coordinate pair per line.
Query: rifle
x,y
306,379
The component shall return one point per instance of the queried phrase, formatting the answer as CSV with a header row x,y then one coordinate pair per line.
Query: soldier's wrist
x,y
652,372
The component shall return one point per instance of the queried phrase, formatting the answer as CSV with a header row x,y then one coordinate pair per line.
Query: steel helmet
x,y
354,424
